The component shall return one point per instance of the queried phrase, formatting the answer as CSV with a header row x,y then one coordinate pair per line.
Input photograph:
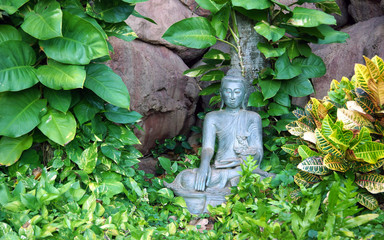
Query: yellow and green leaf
x,y
314,165
367,167
367,200
305,152
353,120
379,63
370,152
306,179
291,149
336,164
327,146
363,137
362,76
373,182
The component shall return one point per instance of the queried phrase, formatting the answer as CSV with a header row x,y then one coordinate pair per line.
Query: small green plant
x,y
346,138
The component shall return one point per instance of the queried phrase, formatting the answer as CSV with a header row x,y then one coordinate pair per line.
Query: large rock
x,y
362,10
366,38
164,13
195,8
159,91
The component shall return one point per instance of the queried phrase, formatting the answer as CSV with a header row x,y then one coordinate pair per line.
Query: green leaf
x,y
373,182
210,5
282,98
336,163
197,71
111,11
167,193
8,32
20,112
285,69
195,32
256,100
331,35
329,7
11,6
367,200
292,48
268,31
327,146
214,75
269,88
370,152
59,100
314,165
12,148
305,152
60,76
312,66
121,115
220,22
128,137
252,4
211,89
166,164
88,159
111,152
120,30
298,87
368,167
59,127
107,85
16,71
81,42
269,51
291,149
305,17
135,187
85,111
213,56
275,109
359,220
45,21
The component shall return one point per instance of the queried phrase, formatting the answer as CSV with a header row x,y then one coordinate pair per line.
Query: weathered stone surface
x,y
164,13
366,39
148,165
194,7
362,10
159,91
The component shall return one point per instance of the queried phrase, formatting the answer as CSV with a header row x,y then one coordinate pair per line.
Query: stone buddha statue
x,y
238,133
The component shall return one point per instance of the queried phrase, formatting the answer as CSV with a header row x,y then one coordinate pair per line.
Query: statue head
x,y
233,90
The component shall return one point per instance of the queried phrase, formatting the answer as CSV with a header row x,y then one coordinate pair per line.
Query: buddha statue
x,y
238,133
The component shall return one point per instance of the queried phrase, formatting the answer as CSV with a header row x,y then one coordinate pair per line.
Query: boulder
x,y
164,13
340,58
195,8
159,90
362,10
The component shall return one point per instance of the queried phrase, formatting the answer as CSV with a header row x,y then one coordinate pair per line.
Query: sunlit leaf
x,y
12,148
373,182
367,200
335,163
314,165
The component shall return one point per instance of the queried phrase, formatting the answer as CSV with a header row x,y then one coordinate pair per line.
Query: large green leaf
x,y
20,112
81,42
11,6
85,111
252,4
269,51
331,35
285,69
16,71
111,11
12,148
60,100
269,88
220,22
60,76
305,17
314,165
210,5
45,21
214,56
275,109
256,100
268,31
197,71
121,115
120,30
298,87
312,66
57,126
195,32
8,32
370,152
107,85
88,159
367,200
373,182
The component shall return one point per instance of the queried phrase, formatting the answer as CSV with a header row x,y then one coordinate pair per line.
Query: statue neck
x,y
232,110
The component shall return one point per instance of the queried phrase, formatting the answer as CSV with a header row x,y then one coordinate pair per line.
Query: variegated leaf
x,y
362,75
342,138
318,109
294,129
298,113
334,85
327,146
291,149
295,194
335,163
314,165
353,120
373,182
379,63
305,152
363,137
370,152
306,179
366,104
367,167
379,127
367,200
306,124
354,106
327,126
373,69
310,137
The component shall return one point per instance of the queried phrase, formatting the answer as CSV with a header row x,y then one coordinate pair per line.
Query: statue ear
x,y
222,101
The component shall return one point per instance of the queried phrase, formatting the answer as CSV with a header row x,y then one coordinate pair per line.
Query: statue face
x,y
232,94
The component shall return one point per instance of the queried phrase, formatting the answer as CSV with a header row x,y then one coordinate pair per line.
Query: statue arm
x,y
209,135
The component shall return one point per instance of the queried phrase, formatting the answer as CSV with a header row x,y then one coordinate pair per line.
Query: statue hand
x,y
202,177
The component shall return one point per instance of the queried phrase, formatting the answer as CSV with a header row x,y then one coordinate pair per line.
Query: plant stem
x,y
235,35
229,43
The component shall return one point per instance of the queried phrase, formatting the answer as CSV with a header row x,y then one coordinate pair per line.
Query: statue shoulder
x,y
253,115
213,115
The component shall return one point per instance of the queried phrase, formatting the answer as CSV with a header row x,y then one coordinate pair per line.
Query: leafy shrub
x,y
344,132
